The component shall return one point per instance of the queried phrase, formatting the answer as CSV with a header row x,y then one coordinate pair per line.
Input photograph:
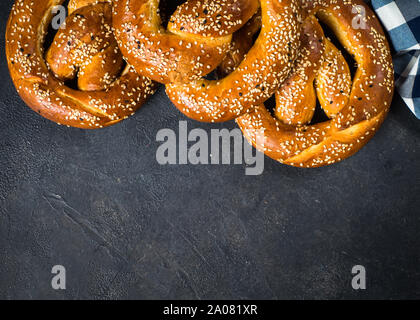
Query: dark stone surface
x,y
125,227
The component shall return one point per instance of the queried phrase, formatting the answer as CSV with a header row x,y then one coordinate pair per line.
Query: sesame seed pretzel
x,y
355,112
258,76
83,47
194,43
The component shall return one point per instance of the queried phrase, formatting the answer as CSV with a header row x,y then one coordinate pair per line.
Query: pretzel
x,y
356,111
193,45
85,48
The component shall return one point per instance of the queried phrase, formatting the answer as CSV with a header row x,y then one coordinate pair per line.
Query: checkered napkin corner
x,y
401,19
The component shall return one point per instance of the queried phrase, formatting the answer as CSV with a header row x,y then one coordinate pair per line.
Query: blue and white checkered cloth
x,y
401,19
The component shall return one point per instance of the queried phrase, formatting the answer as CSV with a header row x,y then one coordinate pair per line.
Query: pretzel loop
x,y
257,77
193,45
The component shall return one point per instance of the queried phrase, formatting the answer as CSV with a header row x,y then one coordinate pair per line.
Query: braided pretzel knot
x,y
356,110
257,77
85,47
194,44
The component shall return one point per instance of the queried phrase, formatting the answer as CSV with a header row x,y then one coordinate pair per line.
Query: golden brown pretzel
x,y
355,116
193,45
85,47
258,76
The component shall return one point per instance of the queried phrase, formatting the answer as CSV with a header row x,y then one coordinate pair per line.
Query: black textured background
x,y
125,227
